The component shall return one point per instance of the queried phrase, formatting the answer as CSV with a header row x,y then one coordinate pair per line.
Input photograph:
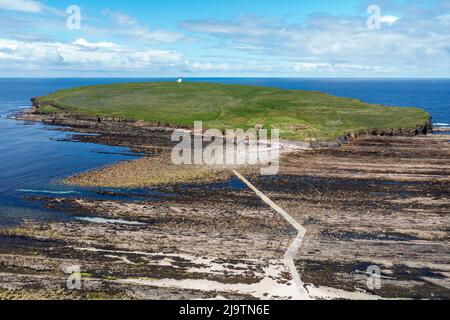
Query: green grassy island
x,y
300,115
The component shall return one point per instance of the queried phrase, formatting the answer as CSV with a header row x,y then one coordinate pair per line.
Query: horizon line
x,y
223,77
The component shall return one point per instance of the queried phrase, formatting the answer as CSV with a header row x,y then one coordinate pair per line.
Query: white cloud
x,y
84,43
336,45
226,68
208,66
416,44
82,55
22,5
154,36
324,66
251,26
130,26
389,20
444,18
120,18
126,54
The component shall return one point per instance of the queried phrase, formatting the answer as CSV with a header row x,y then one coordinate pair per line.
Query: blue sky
x,y
249,38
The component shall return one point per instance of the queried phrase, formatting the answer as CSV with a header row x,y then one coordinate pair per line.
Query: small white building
x,y
180,80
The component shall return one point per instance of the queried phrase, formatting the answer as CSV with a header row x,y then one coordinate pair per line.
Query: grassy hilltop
x,y
298,114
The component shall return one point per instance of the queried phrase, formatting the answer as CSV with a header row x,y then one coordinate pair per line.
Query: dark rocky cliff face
x,y
424,129
420,130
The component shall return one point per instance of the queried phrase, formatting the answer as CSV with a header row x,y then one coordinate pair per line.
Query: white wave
x,y
23,107
441,124
47,191
111,221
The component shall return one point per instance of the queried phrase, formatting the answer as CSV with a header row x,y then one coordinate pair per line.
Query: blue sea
x,y
34,157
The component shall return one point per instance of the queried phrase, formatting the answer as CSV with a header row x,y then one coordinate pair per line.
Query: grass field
x,y
300,115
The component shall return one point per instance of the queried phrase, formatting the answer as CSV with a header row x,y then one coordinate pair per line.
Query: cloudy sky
x,y
264,38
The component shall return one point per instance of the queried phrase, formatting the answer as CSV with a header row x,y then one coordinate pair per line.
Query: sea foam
x,y
47,191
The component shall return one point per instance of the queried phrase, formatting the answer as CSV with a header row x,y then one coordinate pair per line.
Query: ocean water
x,y
34,157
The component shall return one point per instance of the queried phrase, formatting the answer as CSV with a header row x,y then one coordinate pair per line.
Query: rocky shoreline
x,y
375,200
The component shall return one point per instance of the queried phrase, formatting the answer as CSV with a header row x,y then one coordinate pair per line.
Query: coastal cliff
x,y
77,120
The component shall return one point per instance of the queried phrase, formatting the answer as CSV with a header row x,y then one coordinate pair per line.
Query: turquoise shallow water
x,y
33,157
